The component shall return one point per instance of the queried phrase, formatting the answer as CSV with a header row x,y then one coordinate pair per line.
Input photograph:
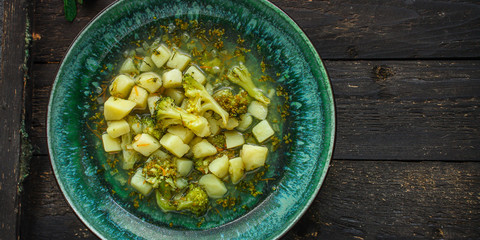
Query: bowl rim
x,y
329,92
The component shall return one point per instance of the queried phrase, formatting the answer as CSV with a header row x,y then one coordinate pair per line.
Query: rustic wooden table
x,y
406,78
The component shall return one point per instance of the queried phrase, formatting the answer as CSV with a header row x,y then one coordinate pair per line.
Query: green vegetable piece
x,y
70,8
196,201
164,203
241,76
235,105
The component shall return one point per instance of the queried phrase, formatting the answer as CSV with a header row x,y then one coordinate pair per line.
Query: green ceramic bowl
x,y
298,168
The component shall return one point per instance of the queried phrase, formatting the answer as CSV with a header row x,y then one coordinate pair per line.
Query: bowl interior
x,y
296,169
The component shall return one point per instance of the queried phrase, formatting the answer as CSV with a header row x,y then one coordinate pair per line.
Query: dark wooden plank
x,y
396,110
342,29
13,96
359,199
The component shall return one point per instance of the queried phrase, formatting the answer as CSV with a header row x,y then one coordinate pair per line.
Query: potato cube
x,y
138,182
236,169
128,67
139,96
214,125
152,102
121,86
145,144
161,55
117,108
219,166
258,110
150,81
231,123
178,60
161,155
130,157
111,144
245,121
174,144
184,133
253,156
176,94
172,78
214,187
262,131
194,141
234,139
181,183
146,64
197,74
117,128
184,166
203,149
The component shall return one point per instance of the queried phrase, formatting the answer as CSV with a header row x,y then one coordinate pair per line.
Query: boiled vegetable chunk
x,y
236,169
219,166
117,128
178,60
150,81
136,127
128,67
203,149
234,139
214,125
129,159
111,144
258,110
184,166
245,121
231,124
152,102
253,156
181,183
176,94
139,96
140,184
214,187
161,55
117,108
146,65
172,78
196,74
262,131
182,132
145,144
160,155
121,86
174,144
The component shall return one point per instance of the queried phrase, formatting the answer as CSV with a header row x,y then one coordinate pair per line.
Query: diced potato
x,y
245,121
145,144
174,144
197,74
184,166
161,155
117,108
214,125
194,141
200,127
138,182
234,139
236,169
150,81
117,128
219,166
182,132
172,78
130,157
258,110
146,65
181,183
231,123
253,156
152,102
128,67
178,60
139,96
203,149
121,86
161,55
127,141
262,131
214,187
176,94
111,144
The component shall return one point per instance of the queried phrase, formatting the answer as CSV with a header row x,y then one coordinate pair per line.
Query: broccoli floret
x,y
196,200
151,127
166,109
218,141
241,76
235,105
200,99
164,203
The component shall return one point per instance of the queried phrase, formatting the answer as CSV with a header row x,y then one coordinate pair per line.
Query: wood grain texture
x,y
359,199
395,110
13,94
339,29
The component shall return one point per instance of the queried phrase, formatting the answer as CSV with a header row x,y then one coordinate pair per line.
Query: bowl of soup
x,y
191,119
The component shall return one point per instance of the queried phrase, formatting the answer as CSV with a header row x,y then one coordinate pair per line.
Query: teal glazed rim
x,y
311,121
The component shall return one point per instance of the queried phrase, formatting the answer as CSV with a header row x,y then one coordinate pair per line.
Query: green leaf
x,y
80,1
70,7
